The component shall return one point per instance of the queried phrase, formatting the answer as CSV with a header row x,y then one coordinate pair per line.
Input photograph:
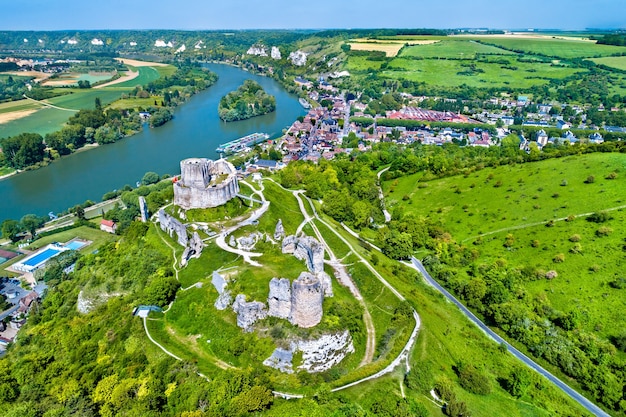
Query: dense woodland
x,y
249,100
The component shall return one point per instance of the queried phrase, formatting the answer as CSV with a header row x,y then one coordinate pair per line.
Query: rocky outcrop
x,y
275,53
307,296
248,312
205,183
279,231
321,354
298,58
258,50
281,359
247,242
232,242
318,355
224,299
193,249
307,249
279,299
172,226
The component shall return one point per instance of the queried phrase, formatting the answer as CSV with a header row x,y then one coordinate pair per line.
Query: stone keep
x,y
205,183
307,296
279,300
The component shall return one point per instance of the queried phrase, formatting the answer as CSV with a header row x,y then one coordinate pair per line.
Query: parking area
x,y
11,289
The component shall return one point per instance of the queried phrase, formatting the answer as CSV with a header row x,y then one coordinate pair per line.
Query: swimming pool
x,y
41,257
75,244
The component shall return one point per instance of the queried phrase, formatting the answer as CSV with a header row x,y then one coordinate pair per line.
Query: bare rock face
x,y
321,354
281,359
279,300
307,296
257,49
275,53
279,232
193,249
307,249
170,225
248,312
232,242
298,58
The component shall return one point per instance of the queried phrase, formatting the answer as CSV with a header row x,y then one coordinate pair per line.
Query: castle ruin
x,y
205,183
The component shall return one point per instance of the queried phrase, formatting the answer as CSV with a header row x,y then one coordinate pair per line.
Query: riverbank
x,y
196,130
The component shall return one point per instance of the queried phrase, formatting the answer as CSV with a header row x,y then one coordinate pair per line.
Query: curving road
x,y
591,407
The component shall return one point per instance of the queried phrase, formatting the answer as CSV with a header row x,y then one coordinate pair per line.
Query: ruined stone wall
x,y
307,296
170,225
308,249
279,300
248,312
193,249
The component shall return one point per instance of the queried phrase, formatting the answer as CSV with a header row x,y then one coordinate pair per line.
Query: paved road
x,y
8,312
591,407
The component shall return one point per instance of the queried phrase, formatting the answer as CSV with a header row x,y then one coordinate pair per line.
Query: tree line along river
x,y
195,131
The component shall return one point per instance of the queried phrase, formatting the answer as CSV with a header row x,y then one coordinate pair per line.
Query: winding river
x,y
195,131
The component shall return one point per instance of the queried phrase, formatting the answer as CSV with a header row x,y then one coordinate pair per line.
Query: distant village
x,y
320,133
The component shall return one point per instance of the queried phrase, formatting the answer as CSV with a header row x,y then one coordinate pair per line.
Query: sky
x,y
317,14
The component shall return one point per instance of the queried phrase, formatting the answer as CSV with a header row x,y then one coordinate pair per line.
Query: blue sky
x,y
290,14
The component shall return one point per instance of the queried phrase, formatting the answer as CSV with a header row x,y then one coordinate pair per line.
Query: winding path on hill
x,y
341,274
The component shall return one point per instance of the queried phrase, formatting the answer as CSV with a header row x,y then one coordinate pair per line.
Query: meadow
x,y
618,62
483,201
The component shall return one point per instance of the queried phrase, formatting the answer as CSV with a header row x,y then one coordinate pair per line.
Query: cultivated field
x,y
465,49
558,48
390,47
476,74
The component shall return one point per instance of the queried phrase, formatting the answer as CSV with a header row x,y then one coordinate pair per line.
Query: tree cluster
x,y
249,100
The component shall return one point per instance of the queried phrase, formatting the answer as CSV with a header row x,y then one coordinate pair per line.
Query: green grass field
x,y
146,75
97,236
43,121
465,49
618,62
451,72
558,48
18,105
485,199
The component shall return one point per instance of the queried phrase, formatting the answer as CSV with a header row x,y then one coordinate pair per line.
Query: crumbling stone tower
x,y
307,296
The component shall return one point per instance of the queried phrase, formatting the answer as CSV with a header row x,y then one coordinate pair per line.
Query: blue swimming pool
x,y
75,245
42,257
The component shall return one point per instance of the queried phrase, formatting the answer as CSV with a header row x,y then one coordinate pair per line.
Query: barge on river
x,y
242,143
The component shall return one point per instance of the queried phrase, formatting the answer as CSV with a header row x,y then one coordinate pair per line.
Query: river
x,y
195,131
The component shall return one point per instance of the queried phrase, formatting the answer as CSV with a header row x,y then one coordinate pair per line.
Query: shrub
x,y
571,218
574,238
563,183
604,231
618,283
473,381
577,248
599,217
611,176
535,243
590,179
558,258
